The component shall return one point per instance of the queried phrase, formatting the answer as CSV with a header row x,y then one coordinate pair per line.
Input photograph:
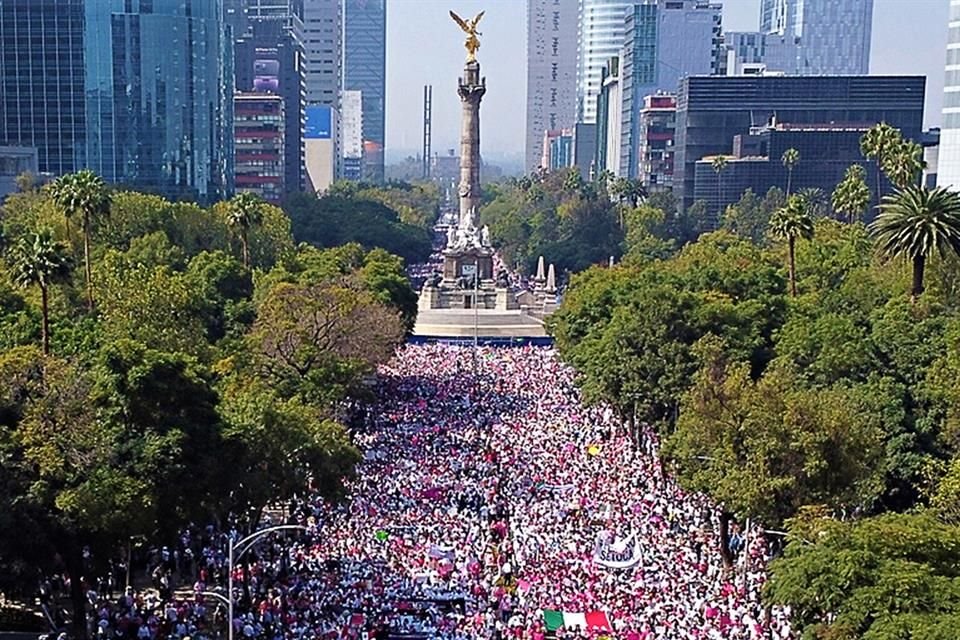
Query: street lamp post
x,y
476,308
234,552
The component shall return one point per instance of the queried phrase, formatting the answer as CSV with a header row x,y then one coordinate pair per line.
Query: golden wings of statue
x,y
469,27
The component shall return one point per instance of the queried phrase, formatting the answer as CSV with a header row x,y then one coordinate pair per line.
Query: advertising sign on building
x,y
319,123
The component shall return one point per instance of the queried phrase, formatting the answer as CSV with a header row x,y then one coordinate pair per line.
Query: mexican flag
x,y
554,620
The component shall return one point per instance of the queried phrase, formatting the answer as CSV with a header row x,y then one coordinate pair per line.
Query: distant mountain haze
x,y
424,46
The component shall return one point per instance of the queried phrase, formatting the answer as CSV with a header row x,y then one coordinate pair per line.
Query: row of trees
x,y
900,159
574,223
397,217
803,376
166,364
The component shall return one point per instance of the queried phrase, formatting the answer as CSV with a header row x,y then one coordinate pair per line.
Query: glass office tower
x,y
159,92
41,80
833,36
600,38
365,70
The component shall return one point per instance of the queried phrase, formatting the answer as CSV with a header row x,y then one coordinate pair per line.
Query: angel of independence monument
x,y
450,301
468,254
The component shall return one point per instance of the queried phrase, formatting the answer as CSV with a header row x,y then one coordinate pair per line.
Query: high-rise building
x,y
159,96
323,28
711,111
269,59
585,149
352,135
557,149
826,152
948,161
599,38
41,82
609,114
365,70
664,40
258,129
833,36
322,148
551,72
656,129
753,53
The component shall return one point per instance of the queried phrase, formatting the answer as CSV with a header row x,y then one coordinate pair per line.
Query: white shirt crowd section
x,y
483,500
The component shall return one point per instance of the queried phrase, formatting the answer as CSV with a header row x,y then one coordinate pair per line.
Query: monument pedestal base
x,y
457,288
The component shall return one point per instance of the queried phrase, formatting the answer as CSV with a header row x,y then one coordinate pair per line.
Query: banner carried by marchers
x,y
554,620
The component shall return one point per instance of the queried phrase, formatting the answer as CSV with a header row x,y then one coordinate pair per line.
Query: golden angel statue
x,y
470,28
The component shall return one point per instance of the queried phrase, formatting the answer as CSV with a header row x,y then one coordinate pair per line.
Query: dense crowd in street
x,y
482,501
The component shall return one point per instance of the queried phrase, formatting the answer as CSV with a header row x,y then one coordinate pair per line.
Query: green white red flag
x,y
554,620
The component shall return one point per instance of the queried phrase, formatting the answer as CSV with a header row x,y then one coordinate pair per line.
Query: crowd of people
x,y
487,496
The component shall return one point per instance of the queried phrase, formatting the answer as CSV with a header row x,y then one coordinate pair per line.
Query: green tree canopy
x,y
890,577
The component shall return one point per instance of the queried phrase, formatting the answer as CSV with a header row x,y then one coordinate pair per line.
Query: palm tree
x,y
40,260
789,223
916,221
572,182
876,144
719,164
852,196
790,159
82,194
815,200
904,163
605,180
246,212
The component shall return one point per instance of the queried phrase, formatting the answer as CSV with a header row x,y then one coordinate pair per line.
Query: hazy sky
x,y
425,47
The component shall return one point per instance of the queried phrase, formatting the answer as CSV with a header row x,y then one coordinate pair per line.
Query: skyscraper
x,y
352,133
41,85
269,59
609,114
323,28
664,41
551,72
833,36
364,70
159,96
948,163
258,124
600,37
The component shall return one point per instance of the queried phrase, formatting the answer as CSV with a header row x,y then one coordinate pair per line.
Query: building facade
x,y
322,149
159,96
585,149
41,83
609,113
948,161
15,161
352,135
826,152
656,129
269,58
258,130
599,38
832,36
365,67
323,42
558,149
551,72
711,111
753,53
664,40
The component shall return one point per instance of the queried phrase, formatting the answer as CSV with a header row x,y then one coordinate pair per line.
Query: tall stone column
x,y
471,90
